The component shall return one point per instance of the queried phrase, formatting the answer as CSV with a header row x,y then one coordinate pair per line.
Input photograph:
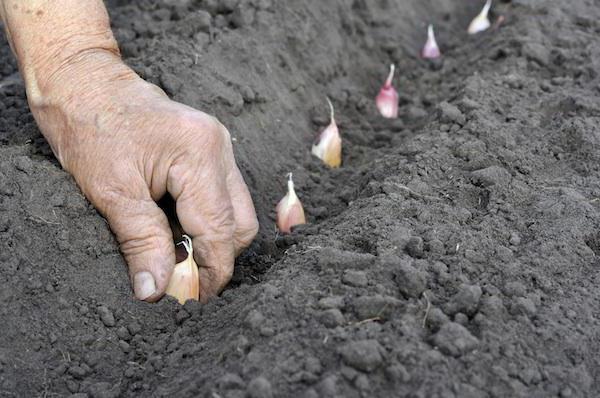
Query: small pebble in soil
x,y
267,331
455,340
474,256
449,113
399,238
328,387
104,390
348,373
436,318
259,388
566,392
411,282
515,289
230,381
436,247
93,358
313,365
397,373
310,393
200,20
362,383
24,164
123,333
492,306
380,307
240,344
220,21
523,306
466,300
270,291
124,346
332,318
414,247
515,239
331,302
106,316
438,268
461,318
491,176
72,386
134,328
536,52
468,104
78,372
254,319
504,253
355,278
365,355
241,17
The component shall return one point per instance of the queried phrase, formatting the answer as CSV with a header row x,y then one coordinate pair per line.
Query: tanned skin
x,y
127,144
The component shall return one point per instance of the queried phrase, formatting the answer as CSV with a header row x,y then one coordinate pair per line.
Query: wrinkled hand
x,y
127,145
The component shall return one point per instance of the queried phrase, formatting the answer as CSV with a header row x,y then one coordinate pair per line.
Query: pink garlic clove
x,y
431,49
289,210
387,99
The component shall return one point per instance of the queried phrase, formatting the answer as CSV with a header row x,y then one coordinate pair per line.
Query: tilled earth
x,y
453,254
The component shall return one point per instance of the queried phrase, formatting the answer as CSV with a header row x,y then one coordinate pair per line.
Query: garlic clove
x,y
387,99
289,210
185,283
431,49
481,22
328,147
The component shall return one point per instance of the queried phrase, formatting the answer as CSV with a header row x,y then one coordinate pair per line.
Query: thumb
x,y
146,241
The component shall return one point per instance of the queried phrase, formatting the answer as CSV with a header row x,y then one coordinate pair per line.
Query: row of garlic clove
x,y
479,24
184,283
328,146
387,99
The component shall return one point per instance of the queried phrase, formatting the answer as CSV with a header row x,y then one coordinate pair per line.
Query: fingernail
x,y
144,285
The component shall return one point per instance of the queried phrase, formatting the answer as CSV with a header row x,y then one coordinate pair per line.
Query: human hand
x,y
127,145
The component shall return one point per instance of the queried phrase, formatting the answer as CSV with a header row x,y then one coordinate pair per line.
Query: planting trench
x,y
452,255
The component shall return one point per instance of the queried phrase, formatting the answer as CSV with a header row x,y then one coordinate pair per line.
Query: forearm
x,y
68,56
48,36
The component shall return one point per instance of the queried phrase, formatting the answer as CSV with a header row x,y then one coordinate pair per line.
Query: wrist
x,y
48,36
68,99
69,68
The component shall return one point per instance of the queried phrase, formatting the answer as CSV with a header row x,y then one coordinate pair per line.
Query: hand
x,y
127,145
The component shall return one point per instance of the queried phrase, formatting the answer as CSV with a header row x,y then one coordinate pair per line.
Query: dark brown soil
x,y
453,254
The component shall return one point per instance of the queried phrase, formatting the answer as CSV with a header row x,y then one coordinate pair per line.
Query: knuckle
x,y
208,129
217,136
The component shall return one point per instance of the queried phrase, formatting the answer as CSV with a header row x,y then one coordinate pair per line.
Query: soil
x,y
453,255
